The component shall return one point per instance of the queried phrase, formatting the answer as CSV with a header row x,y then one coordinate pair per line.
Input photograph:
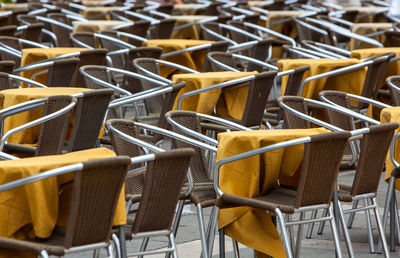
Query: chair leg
x,y
351,218
396,212
380,228
286,241
212,228
335,233
221,243
202,231
235,245
117,245
144,245
299,236
288,218
322,224
392,225
110,251
345,231
369,227
96,253
311,225
44,254
173,245
178,216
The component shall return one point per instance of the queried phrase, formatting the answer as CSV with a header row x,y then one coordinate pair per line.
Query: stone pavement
x,y
319,246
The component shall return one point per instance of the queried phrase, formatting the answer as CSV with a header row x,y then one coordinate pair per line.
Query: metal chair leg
x,y
345,231
322,224
221,243
144,245
288,218
117,245
172,244
351,218
369,227
392,225
380,228
299,236
202,231
311,225
335,233
396,212
235,245
284,233
122,243
213,227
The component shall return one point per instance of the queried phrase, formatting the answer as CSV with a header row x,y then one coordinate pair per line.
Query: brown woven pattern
x,y
84,37
89,117
62,34
32,32
117,60
99,72
225,58
260,52
53,132
198,163
5,82
320,168
294,81
129,83
7,66
213,26
90,57
163,183
372,158
138,28
134,184
95,195
292,121
392,39
62,73
12,42
162,30
8,30
395,95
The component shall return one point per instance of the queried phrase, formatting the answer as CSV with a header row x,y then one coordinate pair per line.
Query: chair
x,y
60,26
162,30
96,188
30,32
393,82
89,117
392,39
321,160
84,39
7,66
10,81
8,30
55,121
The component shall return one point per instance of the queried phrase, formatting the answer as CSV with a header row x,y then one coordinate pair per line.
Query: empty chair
x,y
162,30
30,32
83,39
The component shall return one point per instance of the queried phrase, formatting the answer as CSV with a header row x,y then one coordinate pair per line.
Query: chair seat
x,y
344,193
203,194
282,198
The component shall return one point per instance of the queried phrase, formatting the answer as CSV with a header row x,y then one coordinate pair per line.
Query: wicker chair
x,y
90,219
321,161
162,30
393,82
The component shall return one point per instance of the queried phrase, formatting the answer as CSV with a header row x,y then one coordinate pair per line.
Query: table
x,y
11,7
367,28
12,97
98,10
253,227
362,10
286,28
37,205
184,7
190,60
95,25
349,82
32,55
388,115
192,32
233,104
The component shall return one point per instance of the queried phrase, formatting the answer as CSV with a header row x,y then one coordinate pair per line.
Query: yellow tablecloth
x,y
95,25
349,82
192,32
190,60
391,115
392,69
253,177
184,7
367,9
233,103
286,28
31,55
367,28
12,97
11,7
92,11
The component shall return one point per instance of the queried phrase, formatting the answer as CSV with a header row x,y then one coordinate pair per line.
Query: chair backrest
x,y
219,46
392,39
62,34
321,162
86,38
7,66
32,32
117,61
134,184
8,30
62,73
53,132
11,42
393,82
222,57
129,83
90,57
292,121
139,28
294,80
257,98
89,118
162,30
99,72
198,164
372,158
164,177
96,190
213,27
5,82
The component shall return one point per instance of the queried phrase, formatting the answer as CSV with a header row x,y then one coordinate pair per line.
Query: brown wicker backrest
x,y
198,164
257,97
32,32
89,117
223,57
239,37
338,119
90,57
61,33
62,73
11,42
53,132
84,37
164,177
292,121
26,19
153,105
213,26
5,82
138,28
129,83
162,30
259,52
7,66
8,30
392,39
395,94
99,72
219,46
320,167
117,60
294,80
134,184
372,158
95,195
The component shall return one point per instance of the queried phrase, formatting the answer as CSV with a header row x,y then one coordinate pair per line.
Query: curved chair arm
x,y
393,150
142,16
68,55
180,51
358,98
255,61
9,50
55,22
315,53
132,36
217,35
271,32
187,25
118,42
36,122
216,86
33,66
80,43
324,49
137,76
245,33
30,82
342,70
